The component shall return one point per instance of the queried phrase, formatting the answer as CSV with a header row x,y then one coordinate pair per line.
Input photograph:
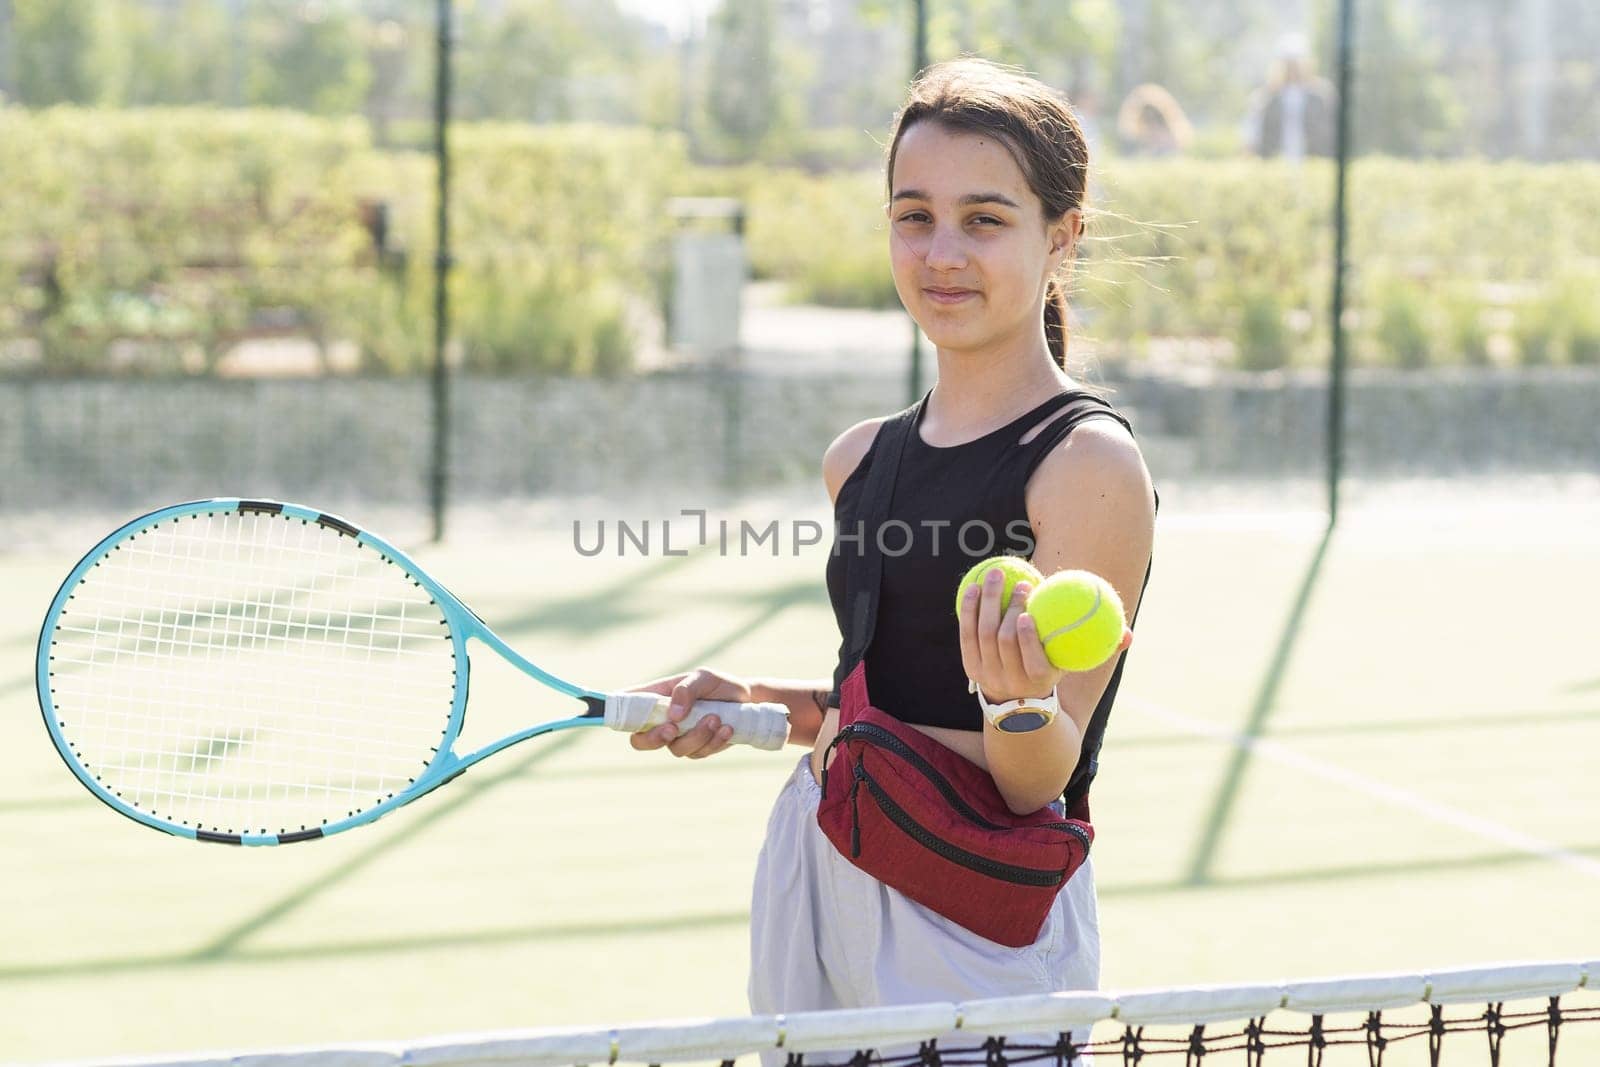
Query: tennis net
x,y
1512,1015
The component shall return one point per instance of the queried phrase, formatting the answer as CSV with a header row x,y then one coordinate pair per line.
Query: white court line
x,y
1360,783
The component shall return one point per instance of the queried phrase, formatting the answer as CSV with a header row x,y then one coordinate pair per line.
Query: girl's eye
x,y
918,216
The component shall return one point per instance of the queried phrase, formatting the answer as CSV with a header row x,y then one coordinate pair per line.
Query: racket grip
x,y
759,725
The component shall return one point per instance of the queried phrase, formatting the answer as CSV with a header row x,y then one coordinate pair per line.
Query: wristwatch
x,y
1021,715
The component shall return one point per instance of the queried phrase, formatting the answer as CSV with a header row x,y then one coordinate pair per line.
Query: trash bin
x,y
708,275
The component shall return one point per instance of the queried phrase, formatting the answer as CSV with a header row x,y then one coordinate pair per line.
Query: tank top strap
x,y
1079,408
997,446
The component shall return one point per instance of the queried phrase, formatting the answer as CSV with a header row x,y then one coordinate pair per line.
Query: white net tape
x,y
1465,1012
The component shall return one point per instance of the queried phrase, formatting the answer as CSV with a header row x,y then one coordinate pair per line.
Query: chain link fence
x,y
218,244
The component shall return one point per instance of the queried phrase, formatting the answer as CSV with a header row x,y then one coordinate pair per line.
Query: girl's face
x,y
967,239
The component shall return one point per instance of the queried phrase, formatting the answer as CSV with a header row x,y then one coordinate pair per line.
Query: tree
x,y
742,90
312,59
1055,39
7,74
165,56
1402,102
54,46
518,65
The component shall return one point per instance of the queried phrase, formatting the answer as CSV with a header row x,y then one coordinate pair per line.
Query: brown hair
x,y
1038,128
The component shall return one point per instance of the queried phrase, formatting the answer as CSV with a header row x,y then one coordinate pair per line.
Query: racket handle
x,y
759,725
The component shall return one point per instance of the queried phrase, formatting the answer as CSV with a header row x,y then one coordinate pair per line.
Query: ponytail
x,y
1055,321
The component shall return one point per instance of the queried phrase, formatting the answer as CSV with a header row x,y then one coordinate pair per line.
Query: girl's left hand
x,y
1002,651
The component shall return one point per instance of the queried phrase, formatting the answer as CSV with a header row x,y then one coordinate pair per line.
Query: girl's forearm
x,y
1031,769
806,699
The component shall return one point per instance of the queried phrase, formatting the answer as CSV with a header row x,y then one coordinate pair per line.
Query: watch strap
x,y
1020,715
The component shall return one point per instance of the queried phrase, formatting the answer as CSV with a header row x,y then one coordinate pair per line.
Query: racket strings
x,y
281,623
251,673
250,637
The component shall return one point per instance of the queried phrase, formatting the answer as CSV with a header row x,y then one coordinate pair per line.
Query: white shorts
x,y
824,934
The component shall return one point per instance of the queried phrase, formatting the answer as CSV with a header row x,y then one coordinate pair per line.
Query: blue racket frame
x,y
462,622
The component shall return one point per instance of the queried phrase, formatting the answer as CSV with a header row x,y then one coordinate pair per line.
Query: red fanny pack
x,y
930,823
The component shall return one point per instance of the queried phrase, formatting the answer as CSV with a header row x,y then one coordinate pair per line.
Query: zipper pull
x,y
855,813
827,755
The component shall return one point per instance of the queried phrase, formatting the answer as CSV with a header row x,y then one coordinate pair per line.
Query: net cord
x,y
936,1032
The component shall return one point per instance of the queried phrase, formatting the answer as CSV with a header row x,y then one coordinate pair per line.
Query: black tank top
x,y
950,508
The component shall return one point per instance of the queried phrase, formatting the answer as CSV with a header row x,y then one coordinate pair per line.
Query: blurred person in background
x,y
1293,113
1150,123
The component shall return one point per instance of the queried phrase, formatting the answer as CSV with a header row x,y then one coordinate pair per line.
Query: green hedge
x,y
180,230
174,228
1241,249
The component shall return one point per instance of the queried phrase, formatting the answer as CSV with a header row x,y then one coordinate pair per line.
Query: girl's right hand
x,y
709,736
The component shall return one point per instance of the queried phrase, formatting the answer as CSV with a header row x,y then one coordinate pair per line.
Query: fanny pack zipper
x,y
1005,872
886,739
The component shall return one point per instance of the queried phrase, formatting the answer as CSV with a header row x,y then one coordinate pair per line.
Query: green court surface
x,y
1370,752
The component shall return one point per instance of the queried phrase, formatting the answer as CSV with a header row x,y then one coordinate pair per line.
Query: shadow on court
x,y
16,685
1221,811
345,949
1311,876
232,953
765,605
619,604
595,610
1497,722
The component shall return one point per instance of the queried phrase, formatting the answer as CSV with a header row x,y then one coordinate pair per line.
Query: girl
x,y
986,178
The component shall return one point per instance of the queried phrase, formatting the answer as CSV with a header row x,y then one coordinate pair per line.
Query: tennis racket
x,y
256,673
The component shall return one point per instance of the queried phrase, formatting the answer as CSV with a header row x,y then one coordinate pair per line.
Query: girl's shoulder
x,y
846,452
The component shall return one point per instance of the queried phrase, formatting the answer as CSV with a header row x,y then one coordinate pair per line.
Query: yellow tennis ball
x,y
1079,618
1015,568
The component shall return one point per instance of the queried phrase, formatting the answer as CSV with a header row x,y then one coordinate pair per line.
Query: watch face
x,y
1022,720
